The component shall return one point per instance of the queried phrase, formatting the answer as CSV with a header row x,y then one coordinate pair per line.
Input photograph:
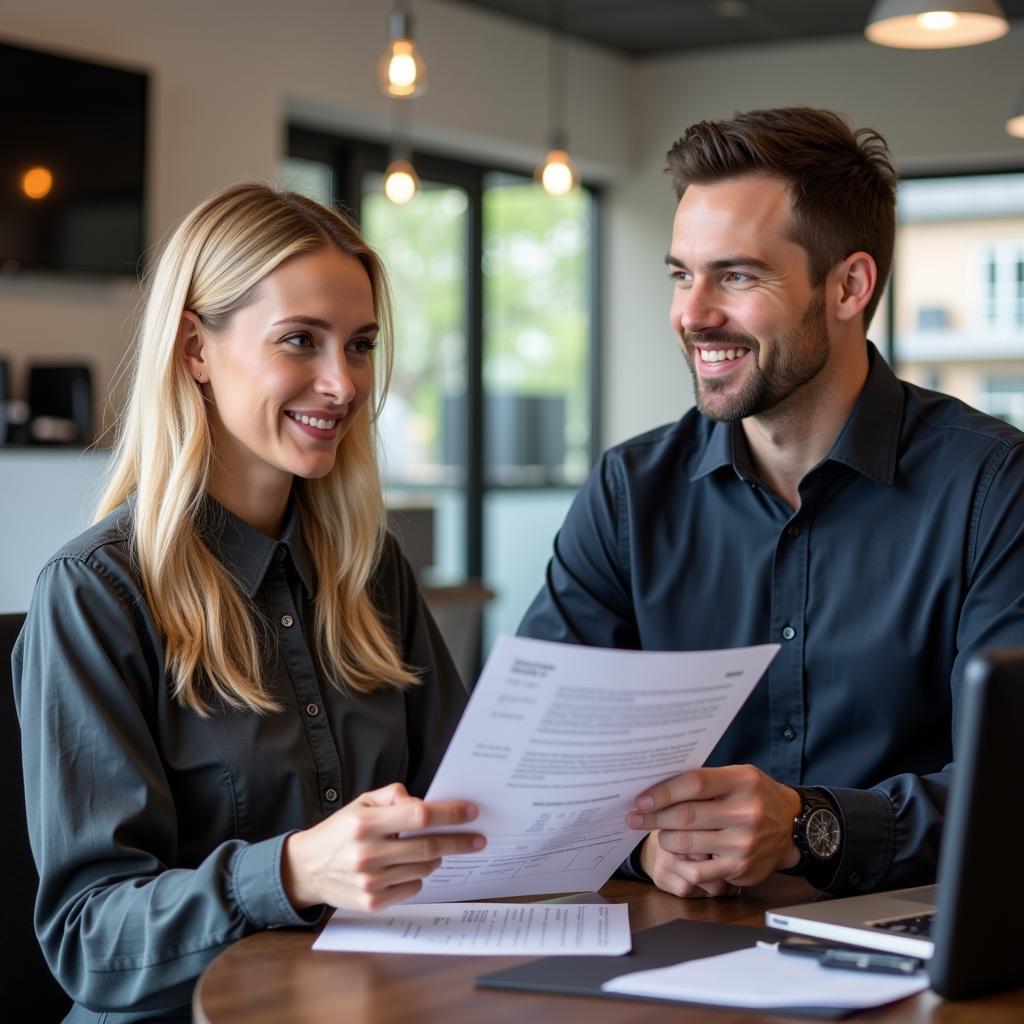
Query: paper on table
x,y
475,929
764,979
557,742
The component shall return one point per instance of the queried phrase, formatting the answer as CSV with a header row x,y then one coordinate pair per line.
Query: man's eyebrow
x,y
725,263
312,321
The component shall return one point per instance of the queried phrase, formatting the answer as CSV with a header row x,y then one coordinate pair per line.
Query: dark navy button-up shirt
x,y
905,557
158,833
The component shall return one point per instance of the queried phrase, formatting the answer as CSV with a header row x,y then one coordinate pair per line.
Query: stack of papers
x,y
764,979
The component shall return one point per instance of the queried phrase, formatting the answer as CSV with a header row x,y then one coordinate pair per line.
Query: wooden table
x,y
275,978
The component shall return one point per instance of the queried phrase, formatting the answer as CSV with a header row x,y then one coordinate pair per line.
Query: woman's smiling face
x,y
289,374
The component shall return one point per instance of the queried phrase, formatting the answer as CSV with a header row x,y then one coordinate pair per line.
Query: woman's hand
x,y
354,858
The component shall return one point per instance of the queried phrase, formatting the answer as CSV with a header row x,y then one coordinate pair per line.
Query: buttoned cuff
x,y
868,840
630,867
259,889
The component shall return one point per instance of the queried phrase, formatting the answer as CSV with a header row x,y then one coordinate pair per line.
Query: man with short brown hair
x,y
870,527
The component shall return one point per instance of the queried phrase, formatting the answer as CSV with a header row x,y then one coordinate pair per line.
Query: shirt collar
x,y
247,552
868,442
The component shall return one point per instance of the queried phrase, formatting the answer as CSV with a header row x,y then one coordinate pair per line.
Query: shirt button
x,y
312,710
788,735
788,632
287,621
793,531
854,879
281,553
330,795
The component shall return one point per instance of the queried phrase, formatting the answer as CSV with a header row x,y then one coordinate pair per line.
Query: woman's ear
x,y
858,278
192,346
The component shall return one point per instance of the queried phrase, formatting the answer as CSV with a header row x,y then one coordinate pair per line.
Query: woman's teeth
x,y
312,421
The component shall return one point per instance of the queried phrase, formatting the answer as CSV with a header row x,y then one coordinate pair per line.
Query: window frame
x,y
350,159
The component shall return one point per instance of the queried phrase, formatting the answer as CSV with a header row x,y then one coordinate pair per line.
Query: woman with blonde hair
x,y
231,695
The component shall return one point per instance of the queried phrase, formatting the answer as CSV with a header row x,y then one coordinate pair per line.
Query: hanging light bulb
x,y
401,182
933,24
1015,126
401,71
558,174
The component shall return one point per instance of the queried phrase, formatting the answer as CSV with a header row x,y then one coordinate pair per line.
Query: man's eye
x,y
735,277
683,276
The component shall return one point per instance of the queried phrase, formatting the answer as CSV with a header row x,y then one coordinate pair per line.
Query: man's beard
x,y
796,358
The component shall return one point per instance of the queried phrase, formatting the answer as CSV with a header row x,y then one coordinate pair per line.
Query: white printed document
x,y
556,744
475,929
765,979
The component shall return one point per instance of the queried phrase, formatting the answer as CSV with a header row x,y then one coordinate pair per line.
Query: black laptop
x,y
969,926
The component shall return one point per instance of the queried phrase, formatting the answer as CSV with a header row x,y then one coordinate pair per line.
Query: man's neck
x,y
793,437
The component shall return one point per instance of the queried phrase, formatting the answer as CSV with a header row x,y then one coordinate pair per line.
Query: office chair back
x,y
25,980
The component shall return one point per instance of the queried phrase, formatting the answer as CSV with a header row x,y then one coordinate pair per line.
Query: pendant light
x,y
401,71
1015,126
557,174
401,182
933,24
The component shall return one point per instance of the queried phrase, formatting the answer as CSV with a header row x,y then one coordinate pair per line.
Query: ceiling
x,y
640,28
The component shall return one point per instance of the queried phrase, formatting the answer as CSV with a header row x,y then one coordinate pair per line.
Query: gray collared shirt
x,y
905,557
157,833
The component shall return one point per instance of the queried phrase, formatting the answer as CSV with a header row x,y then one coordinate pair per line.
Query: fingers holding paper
x,y
359,859
716,829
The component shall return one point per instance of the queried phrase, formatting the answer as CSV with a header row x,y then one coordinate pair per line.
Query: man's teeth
x,y
312,421
721,355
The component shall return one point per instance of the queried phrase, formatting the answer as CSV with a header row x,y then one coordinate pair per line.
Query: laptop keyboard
x,y
920,925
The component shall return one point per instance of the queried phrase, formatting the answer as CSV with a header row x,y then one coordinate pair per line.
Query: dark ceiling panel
x,y
645,27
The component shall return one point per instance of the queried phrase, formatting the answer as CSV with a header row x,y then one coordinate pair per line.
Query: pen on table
x,y
849,959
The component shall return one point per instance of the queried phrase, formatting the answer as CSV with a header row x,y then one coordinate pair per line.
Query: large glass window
x,y
959,289
490,424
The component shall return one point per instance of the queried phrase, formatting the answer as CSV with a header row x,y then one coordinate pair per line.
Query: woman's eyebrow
x,y
313,321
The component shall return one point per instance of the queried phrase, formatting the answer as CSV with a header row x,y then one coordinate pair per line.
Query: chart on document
x,y
557,742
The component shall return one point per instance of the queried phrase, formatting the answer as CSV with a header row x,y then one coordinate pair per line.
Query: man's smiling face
x,y
752,327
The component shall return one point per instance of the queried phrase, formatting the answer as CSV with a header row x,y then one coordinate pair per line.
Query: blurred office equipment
x,y
60,404
75,151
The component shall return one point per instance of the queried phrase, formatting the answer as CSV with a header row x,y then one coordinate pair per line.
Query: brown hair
x,y
841,182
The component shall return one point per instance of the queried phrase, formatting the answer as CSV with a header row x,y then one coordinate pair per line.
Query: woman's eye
x,y
362,346
302,340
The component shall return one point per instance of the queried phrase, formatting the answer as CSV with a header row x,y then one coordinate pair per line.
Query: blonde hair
x,y
213,636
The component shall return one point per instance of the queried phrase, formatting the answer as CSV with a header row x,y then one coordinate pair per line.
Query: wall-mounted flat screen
x,y
72,164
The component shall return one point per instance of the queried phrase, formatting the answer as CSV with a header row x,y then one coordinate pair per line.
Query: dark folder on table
x,y
662,946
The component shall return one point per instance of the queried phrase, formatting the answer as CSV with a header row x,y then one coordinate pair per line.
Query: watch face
x,y
823,833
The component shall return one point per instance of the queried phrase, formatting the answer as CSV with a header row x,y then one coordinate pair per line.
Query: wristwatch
x,y
818,835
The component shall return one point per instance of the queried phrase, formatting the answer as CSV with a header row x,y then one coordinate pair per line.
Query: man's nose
x,y
697,309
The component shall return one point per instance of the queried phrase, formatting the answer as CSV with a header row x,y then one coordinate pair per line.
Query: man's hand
x,y
716,829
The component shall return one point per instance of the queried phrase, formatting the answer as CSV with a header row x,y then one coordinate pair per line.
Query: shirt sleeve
x,y
893,831
586,597
121,924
